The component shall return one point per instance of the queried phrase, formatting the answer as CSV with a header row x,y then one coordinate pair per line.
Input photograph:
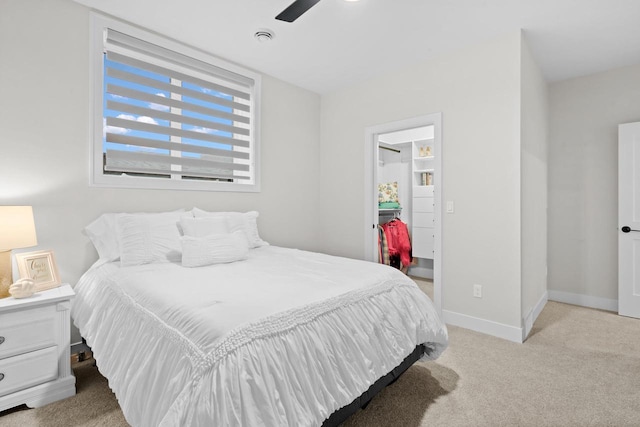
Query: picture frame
x,y
41,267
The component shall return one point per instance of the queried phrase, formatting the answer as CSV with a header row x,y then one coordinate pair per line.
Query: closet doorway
x,y
407,155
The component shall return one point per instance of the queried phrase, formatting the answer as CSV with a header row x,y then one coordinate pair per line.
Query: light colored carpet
x,y
425,284
579,367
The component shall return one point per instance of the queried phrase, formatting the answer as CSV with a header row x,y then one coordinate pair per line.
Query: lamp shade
x,y
17,229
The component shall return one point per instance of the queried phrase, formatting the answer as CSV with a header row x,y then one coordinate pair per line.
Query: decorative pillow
x,y
247,222
214,249
103,234
200,227
388,192
148,238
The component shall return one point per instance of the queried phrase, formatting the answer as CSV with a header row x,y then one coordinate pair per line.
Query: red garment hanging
x,y
398,240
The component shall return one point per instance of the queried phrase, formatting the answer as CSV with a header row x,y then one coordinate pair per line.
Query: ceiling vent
x,y
263,36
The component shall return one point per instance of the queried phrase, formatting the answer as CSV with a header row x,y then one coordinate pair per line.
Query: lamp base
x,y
6,276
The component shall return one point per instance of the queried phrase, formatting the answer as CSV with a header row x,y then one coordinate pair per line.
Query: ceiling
x,y
338,43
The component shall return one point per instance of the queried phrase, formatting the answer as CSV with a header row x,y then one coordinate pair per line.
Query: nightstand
x,y
35,366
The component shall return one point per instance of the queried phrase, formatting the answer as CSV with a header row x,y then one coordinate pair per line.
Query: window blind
x,y
171,116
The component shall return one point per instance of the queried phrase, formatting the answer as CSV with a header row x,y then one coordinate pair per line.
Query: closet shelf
x,y
424,158
389,211
423,170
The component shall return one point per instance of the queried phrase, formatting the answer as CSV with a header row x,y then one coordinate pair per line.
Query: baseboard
x,y
425,273
530,319
510,333
584,300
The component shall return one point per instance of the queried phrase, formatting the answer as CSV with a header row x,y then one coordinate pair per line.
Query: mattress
x,y
285,337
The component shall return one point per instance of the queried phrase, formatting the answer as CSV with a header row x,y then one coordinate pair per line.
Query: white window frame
x,y
98,26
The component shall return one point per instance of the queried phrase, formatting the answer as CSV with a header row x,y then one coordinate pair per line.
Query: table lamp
x,y
17,230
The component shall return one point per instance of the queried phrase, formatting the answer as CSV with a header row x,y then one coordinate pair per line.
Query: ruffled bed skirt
x,y
294,368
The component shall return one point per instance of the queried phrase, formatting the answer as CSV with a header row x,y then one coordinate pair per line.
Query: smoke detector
x,y
263,35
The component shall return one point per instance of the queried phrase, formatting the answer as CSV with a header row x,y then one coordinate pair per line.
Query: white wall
x,y
309,166
44,142
478,92
534,146
583,184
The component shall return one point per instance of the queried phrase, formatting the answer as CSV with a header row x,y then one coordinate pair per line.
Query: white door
x,y
629,219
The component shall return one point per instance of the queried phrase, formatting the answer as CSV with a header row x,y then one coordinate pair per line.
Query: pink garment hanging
x,y
398,240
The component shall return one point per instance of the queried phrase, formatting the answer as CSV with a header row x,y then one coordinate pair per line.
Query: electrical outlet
x,y
477,291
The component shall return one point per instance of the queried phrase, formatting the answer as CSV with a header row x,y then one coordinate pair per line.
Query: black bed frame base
x,y
339,416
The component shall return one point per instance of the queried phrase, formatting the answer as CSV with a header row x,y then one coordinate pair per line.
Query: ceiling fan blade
x,y
296,9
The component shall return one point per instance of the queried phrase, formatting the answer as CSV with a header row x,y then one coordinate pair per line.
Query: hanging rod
x,y
389,148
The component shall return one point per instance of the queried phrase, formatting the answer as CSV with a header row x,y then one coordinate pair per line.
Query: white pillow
x,y
247,222
103,234
200,227
148,238
214,249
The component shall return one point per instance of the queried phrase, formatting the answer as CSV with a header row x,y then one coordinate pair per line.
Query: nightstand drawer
x,y
28,370
27,330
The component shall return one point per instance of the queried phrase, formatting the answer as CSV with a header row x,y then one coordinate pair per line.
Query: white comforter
x,y
285,337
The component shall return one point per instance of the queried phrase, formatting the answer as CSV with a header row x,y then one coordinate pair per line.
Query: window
x,y
169,116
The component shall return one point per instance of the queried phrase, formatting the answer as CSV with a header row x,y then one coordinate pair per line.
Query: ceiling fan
x,y
296,9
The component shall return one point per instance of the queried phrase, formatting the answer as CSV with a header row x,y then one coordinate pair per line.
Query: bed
x,y
276,337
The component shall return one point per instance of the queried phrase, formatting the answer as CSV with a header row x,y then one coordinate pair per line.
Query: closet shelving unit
x,y
422,158
422,171
388,214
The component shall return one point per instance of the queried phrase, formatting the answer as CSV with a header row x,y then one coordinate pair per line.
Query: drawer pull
x,y
1,377
1,340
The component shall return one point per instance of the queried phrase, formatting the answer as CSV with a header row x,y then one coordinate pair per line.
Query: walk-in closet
x,y
406,200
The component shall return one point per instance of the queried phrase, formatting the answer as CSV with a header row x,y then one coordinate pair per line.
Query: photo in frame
x,y
39,266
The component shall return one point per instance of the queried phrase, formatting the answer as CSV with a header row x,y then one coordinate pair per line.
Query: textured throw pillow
x,y
388,192
102,233
214,249
247,222
148,238
200,227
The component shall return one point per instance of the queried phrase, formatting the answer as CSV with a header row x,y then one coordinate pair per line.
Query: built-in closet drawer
x,y
27,330
423,219
422,242
423,191
28,370
423,204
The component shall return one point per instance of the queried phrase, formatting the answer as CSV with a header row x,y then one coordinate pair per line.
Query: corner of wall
x,y
533,185
532,315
